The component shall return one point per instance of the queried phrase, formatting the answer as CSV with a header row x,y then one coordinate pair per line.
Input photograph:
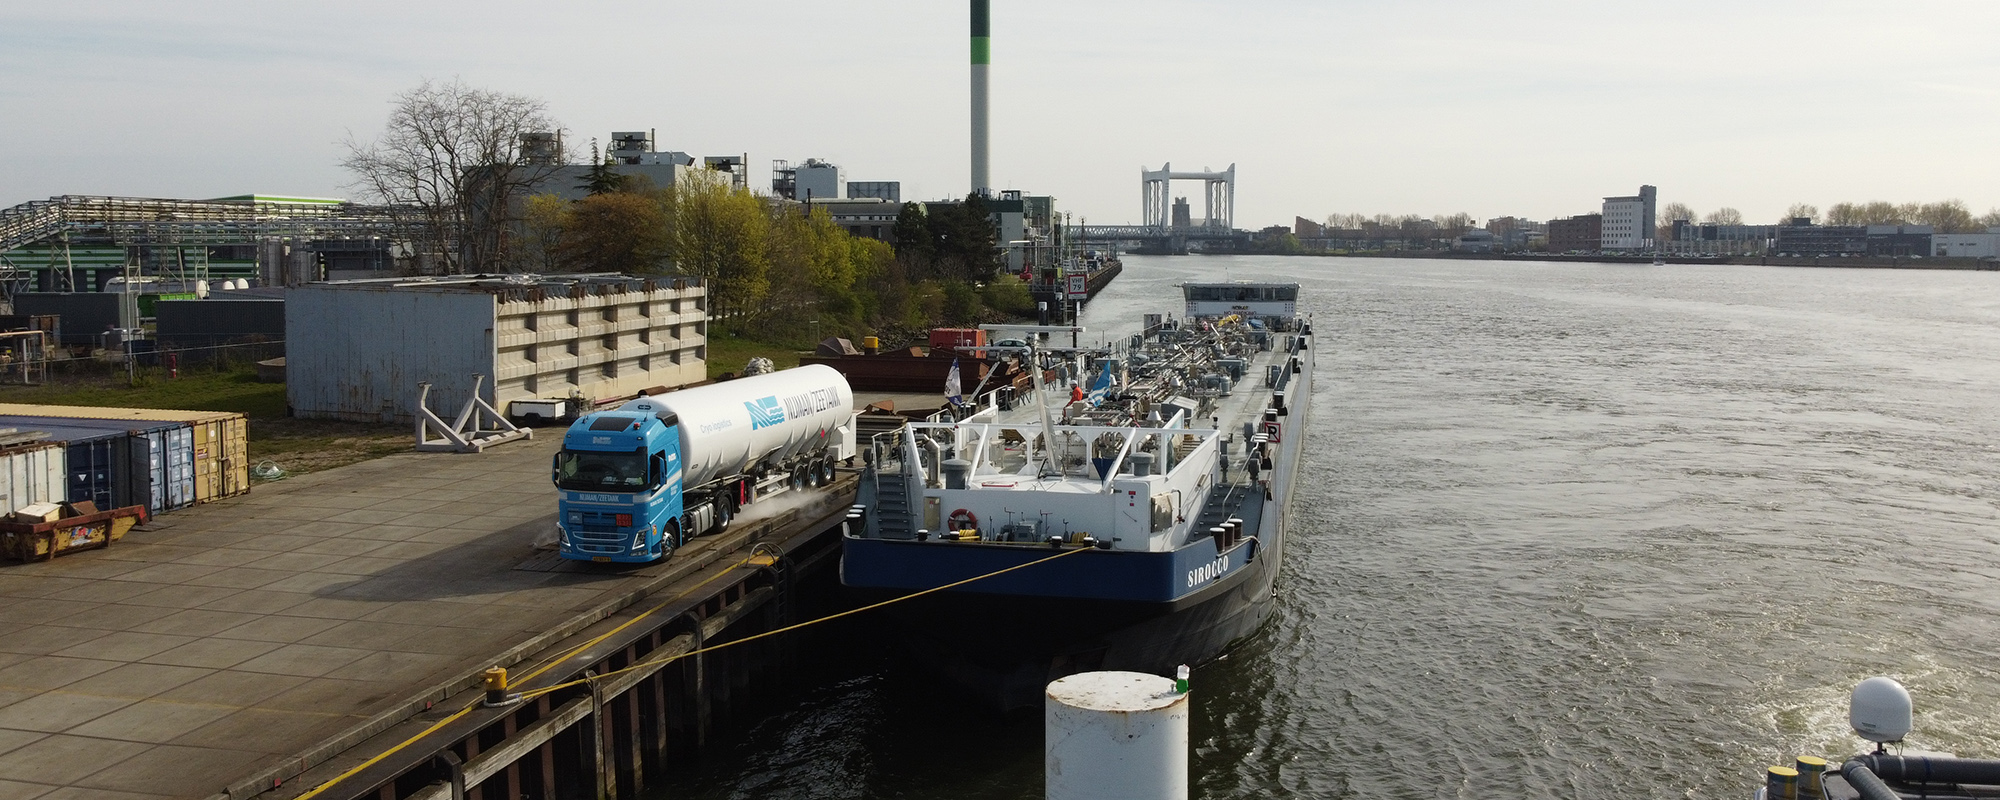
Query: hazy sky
x,y
1536,109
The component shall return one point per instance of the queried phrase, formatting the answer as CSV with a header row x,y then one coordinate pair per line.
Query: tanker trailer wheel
x,y
725,512
798,479
826,472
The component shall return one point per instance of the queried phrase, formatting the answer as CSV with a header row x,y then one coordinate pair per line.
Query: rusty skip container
x,y
32,473
220,441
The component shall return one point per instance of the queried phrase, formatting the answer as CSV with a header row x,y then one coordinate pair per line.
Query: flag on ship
x,y
951,388
1102,387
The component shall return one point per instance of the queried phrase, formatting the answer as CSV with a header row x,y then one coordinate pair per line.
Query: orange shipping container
x,y
221,441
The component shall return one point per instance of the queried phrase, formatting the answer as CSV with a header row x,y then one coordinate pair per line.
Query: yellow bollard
x,y
1781,783
1812,769
496,688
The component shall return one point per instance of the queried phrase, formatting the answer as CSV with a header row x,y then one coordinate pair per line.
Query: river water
x,y
1572,530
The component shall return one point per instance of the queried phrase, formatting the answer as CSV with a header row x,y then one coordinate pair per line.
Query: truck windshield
x,y
586,471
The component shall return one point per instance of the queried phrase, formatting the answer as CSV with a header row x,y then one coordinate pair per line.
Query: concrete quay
x,y
226,649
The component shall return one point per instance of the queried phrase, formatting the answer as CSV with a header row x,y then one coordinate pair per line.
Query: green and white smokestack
x,y
982,44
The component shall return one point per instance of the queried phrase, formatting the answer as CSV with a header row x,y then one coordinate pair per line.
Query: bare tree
x,y
1725,216
1805,211
453,155
1663,228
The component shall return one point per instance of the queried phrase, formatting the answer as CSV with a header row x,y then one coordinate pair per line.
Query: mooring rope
x,y
572,652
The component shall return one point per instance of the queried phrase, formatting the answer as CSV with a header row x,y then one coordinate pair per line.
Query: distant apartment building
x,y
1578,233
1307,229
1515,233
1628,221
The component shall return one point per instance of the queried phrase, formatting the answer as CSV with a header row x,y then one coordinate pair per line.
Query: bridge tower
x,y
1218,196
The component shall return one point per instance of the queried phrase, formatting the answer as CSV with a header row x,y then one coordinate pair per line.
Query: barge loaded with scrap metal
x,y
1135,526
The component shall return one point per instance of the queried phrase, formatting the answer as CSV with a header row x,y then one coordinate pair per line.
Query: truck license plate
x,y
601,559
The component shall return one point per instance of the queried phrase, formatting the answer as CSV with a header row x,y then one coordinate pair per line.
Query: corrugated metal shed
x,y
358,349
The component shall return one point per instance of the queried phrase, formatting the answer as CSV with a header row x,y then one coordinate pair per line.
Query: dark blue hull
x,y
1004,648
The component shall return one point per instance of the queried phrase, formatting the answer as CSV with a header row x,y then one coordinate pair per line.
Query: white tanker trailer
x,y
638,481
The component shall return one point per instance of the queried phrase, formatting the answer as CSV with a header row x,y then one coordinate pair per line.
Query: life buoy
x,y
962,519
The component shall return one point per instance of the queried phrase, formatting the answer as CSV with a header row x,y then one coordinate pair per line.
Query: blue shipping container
x,y
94,456
158,469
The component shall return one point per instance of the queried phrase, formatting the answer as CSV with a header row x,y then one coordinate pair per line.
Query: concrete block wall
x,y
600,345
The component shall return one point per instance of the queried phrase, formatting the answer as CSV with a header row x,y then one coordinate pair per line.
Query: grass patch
x,y
295,445
728,353
235,390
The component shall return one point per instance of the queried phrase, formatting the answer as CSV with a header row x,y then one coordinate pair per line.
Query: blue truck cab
x,y
619,482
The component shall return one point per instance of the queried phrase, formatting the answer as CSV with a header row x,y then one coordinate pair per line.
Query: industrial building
x,y
1900,240
632,154
1475,240
1802,238
1628,221
357,350
891,191
1581,233
78,243
870,217
1966,245
1708,238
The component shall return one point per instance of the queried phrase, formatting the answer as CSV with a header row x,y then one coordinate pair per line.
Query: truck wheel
x,y
672,536
725,512
826,472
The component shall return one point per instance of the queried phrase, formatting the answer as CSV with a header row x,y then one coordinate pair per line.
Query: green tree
x,y
965,241
720,233
544,218
913,234
617,232
961,303
604,179
1009,294
880,297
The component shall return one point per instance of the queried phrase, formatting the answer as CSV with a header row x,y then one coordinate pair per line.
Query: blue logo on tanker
x,y
770,411
765,413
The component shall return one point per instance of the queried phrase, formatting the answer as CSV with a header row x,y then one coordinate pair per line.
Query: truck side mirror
x,y
555,468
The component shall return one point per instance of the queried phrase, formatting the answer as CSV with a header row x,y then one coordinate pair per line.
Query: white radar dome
x,y
1880,710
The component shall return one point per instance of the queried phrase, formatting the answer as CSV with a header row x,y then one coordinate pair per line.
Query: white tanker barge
x,y
640,480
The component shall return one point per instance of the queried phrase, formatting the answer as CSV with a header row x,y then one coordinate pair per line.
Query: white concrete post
x,y
1116,736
